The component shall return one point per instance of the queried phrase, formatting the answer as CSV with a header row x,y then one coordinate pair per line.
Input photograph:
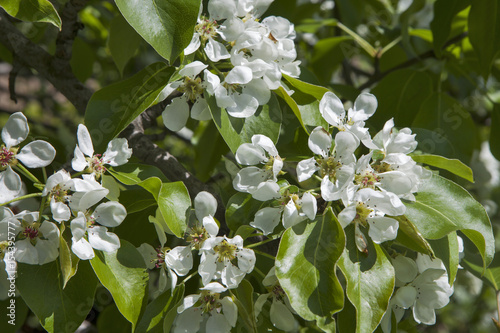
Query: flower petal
x,y
332,109
117,153
85,141
37,154
10,185
110,214
266,219
176,114
320,141
79,163
200,110
250,154
193,45
205,204
101,239
306,168
216,51
16,130
281,317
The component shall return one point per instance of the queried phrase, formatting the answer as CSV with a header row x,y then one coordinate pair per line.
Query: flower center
x,y
206,29
366,179
3,249
160,257
196,236
225,251
328,166
192,88
96,165
59,194
382,167
362,212
31,232
278,292
7,157
209,301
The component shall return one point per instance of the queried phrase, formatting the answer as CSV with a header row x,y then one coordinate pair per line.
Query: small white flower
x,y
116,154
176,113
57,188
207,309
261,183
353,120
36,154
281,312
336,168
109,214
217,261
292,209
87,192
36,243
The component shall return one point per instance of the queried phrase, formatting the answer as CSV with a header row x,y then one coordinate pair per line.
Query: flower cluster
x,y
247,58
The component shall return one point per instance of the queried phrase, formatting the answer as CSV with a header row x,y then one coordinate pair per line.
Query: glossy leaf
x,y
495,132
123,273
67,260
152,320
59,310
400,95
235,131
167,25
410,237
444,12
114,107
281,92
307,88
370,282
452,165
172,198
484,32
241,209
32,11
244,302
442,206
444,115
306,265
447,250
123,42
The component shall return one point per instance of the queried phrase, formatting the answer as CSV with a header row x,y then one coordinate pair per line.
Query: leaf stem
x,y
32,195
189,276
264,254
260,243
360,40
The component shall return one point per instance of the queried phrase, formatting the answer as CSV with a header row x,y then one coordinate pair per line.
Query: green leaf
x,y
111,320
209,148
244,302
447,250
409,236
235,131
152,320
484,32
14,317
241,209
67,259
495,132
32,11
112,108
82,59
444,115
123,273
328,54
59,310
307,88
400,95
452,165
491,275
306,265
444,12
172,198
281,92
174,202
442,206
136,200
167,25
123,42
370,282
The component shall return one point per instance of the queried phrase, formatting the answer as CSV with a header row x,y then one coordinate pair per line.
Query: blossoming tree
x,y
316,200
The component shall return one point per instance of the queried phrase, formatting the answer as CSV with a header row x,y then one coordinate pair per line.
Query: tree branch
x,y
428,54
33,56
69,30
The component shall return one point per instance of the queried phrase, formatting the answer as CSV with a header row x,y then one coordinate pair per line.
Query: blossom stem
x,y
259,272
42,208
31,195
24,171
44,171
362,42
260,243
189,276
264,254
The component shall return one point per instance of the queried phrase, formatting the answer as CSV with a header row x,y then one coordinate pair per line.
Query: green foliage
x,y
123,273
166,25
32,11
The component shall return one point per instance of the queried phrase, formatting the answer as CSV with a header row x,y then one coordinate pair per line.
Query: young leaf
x,y
59,310
452,165
306,265
152,320
167,25
32,11
235,131
370,282
114,107
484,32
123,273
442,206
